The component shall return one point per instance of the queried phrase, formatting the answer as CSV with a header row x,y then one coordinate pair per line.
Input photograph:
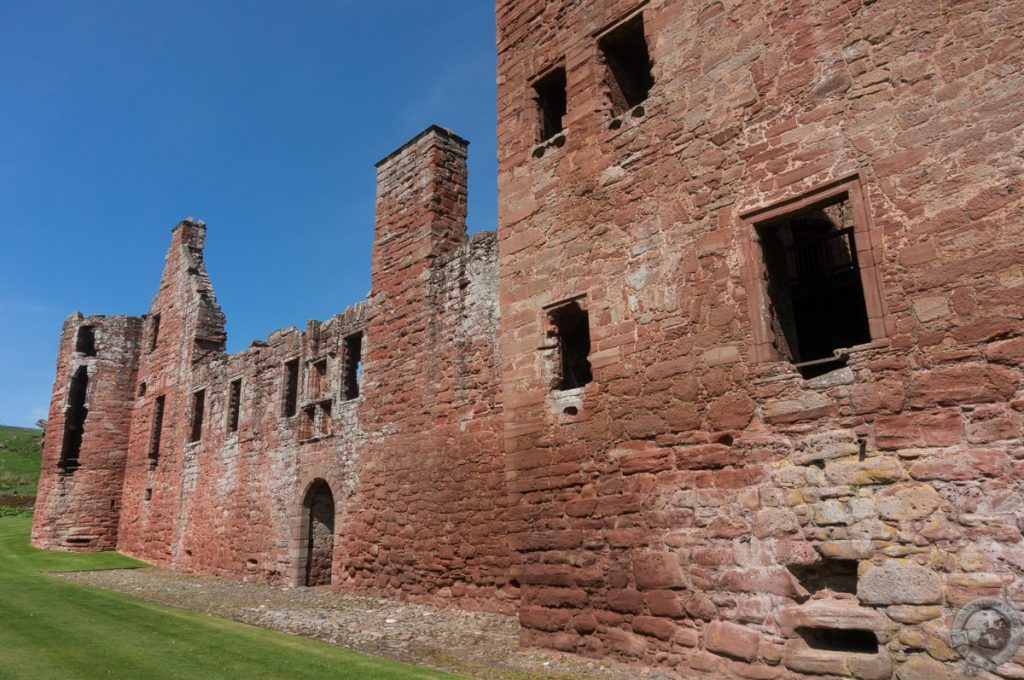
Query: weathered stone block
x,y
899,582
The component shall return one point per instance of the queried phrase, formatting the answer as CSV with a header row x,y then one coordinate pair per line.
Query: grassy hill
x,y
19,465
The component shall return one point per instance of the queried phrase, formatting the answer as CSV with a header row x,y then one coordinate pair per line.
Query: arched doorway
x,y
318,516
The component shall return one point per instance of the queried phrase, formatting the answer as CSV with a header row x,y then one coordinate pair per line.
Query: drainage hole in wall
x,y
840,640
725,439
78,540
570,411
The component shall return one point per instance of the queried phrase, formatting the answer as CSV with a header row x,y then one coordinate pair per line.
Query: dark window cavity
x,y
291,388
198,409
551,102
571,326
839,576
86,341
74,421
142,389
352,367
234,404
814,285
154,331
624,51
156,430
852,640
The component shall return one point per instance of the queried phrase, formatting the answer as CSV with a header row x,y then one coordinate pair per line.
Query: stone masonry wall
x,y
700,504
78,506
409,462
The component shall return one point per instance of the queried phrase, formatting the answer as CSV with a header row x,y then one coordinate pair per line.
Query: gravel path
x,y
473,644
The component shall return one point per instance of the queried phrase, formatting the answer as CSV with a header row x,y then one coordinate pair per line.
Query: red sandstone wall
x,y
664,522
427,517
77,508
411,464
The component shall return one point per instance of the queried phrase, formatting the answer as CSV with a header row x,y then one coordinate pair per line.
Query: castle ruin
x,y
734,389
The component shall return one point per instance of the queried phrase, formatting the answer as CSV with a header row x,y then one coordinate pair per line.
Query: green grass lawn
x,y
54,629
19,460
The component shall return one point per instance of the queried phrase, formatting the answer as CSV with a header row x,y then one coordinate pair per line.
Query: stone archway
x,y
318,525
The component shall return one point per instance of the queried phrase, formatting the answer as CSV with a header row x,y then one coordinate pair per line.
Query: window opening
x,y
551,102
291,387
814,285
234,404
154,331
318,379
198,407
840,639
839,576
571,326
625,53
74,421
86,341
157,427
353,365
142,389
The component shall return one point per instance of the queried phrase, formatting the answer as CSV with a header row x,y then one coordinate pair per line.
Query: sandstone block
x,y
907,501
732,640
899,582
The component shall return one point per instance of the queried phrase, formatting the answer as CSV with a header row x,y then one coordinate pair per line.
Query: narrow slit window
x,y
156,430
571,326
624,51
142,389
353,356
814,287
234,404
850,640
551,103
74,421
318,379
86,341
154,331
291,388
198,409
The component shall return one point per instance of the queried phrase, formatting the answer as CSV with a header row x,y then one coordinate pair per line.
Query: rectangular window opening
x,y
318,379
853,640
839,576
814,285
551,102
86,341
624,50
142,389
571,326
154,331
234,404
156,429
291,388
352,368
74,421
198,407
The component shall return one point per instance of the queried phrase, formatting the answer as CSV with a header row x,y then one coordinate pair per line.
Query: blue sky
x,y
262,118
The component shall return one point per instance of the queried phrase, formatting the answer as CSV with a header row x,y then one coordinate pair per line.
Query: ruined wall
x,y
360,452
79,498
431,488
701,504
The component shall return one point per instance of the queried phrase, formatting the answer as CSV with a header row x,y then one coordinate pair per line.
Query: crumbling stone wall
x,y
656,462
78,503
230,462
701,504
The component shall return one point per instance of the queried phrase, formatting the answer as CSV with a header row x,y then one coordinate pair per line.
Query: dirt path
x,y
474,644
